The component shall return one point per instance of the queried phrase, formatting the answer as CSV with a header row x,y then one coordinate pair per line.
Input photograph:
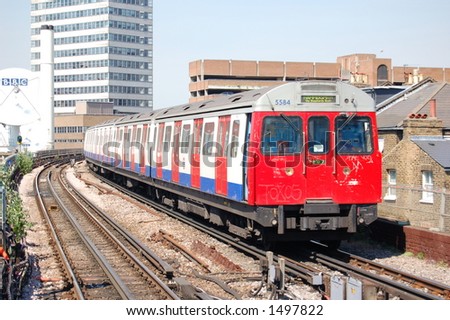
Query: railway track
x,y
97,265
281,267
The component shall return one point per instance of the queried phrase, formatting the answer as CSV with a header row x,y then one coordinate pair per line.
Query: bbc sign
x,y
15,82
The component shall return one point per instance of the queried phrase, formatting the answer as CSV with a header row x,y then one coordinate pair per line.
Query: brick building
x,y
414,127
213,77
70,128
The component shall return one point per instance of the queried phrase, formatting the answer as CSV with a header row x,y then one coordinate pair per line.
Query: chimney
x,y
433,108
419,126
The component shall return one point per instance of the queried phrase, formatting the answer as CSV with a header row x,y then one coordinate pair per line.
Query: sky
x,y
410,32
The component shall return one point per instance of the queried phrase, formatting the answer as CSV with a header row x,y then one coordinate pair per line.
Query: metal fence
x,y
426,208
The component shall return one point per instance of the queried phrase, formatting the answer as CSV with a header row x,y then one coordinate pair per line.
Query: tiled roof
x,y
436,149
390,114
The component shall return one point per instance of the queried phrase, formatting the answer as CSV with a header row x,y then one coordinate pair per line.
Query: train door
x,y
208,156
318,159
126,147
176,153
143,143
221,162
95,139
167,153
99,143
109,145
159,151
195,153
122,146
118,153
137,149
277,176
184,160
235,157
133,151
151,147
105,144
247,135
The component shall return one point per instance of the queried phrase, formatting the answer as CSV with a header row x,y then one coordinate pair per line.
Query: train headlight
x,y
289,171
346,171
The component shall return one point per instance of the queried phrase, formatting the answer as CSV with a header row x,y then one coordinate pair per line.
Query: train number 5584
x,y
282,102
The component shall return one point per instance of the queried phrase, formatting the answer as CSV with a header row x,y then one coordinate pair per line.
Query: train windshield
x,y
282,135
318,135
354,135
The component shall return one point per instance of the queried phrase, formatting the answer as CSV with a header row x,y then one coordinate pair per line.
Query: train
x,y
294,162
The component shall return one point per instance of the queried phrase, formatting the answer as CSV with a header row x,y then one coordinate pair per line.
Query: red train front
x,y
315,159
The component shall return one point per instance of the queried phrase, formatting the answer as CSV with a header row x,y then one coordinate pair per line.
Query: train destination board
x,y
318,99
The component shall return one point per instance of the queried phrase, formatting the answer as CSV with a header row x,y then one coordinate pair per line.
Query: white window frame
x,y
391,192
427,185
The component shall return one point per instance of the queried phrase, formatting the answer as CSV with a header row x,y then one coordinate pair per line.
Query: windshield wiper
x,y
346,122
290,122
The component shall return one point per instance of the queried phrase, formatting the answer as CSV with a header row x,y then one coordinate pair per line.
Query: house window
x,y
391,193
427,187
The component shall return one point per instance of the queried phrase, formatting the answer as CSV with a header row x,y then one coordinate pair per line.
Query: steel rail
x,y
135,243
119,285
69,270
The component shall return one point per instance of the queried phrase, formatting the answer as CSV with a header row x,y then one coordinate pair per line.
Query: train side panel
x,y
299,161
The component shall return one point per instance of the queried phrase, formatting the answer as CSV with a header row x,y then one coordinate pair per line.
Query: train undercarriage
x,y
321,221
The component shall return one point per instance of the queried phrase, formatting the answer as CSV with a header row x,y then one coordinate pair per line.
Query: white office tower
x,y
102,51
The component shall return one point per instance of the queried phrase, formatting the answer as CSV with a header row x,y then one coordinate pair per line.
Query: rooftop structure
x,y
210,78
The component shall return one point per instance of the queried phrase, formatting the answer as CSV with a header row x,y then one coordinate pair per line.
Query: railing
x,y
2,215
427,208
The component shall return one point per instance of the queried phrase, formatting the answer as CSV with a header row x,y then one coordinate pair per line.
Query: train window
x,y
185,138
95,139
234,147
208,139
106,137
318,135
149,141
138,136
160,137
282,135
126,138
197,137
104,140
167,138
223,135
354,135
120,135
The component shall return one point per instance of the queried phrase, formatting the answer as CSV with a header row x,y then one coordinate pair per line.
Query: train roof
x,y
309,95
